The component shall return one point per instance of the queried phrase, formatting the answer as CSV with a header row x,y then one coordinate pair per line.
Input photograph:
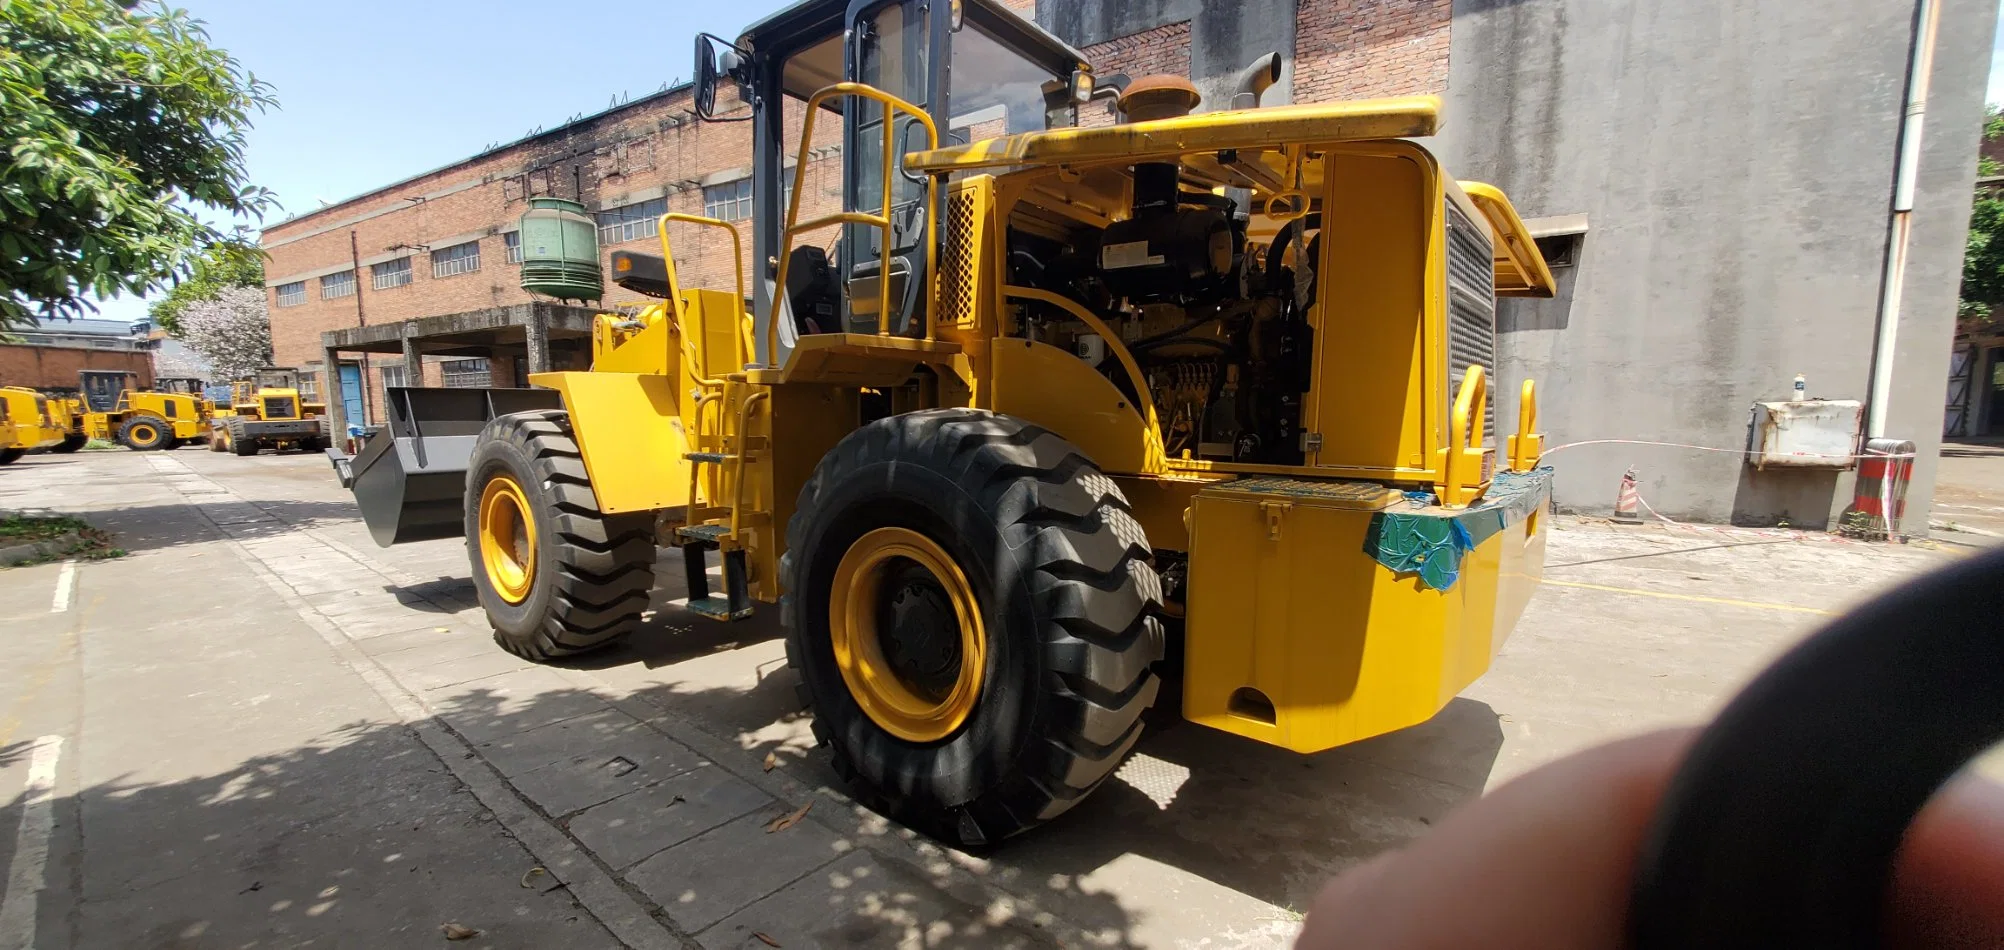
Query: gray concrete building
x,y
1725,181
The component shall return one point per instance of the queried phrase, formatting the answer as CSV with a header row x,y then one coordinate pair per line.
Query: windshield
x,y
996,90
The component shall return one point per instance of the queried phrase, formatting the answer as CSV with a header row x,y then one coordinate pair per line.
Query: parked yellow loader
x,y
267,412
26,423
109,405
1062,411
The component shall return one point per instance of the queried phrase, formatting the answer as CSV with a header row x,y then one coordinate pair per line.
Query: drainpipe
x,y
1927,22
355,256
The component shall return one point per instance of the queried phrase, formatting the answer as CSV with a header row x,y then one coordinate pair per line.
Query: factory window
x,y
457,259
392,376
292,294
467,374
630,222
730,201
309,386
514,241
389,274
337,285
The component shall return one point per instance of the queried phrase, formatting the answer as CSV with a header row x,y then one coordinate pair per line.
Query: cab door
x,y
897,46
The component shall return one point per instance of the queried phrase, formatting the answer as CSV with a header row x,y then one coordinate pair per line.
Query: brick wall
x,y
652,148
1359,49
1164,49
56,367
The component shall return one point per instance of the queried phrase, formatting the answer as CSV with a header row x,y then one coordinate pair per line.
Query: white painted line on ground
x,y
25,875
66,584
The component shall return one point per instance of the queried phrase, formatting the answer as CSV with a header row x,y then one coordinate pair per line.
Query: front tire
x,y
556,575
1058,573
10,456
145,434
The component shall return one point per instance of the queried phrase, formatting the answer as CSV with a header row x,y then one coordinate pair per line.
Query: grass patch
x,y
99,445
89,543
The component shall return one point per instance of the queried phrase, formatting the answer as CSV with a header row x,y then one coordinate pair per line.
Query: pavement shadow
x,y
171,525
362,836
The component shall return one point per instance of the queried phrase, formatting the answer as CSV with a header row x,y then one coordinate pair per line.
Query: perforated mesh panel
x,y
957,261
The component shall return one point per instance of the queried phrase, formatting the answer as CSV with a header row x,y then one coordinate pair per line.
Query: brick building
x,y
1736,164
422,275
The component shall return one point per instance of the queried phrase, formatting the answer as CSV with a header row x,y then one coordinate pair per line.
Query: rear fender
x,y
629,427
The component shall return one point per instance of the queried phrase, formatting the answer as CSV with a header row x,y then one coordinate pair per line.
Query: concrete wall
x,y
56,367
1735,161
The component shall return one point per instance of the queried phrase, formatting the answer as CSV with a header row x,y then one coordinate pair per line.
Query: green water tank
x,y
560,250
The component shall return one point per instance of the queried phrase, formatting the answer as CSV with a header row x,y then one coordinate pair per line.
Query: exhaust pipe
x,y
1254,80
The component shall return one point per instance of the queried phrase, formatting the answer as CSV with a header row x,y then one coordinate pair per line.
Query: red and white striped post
x,y
1883,473
1627,502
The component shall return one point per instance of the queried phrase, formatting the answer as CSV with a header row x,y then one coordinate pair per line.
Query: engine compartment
x,y
1217,320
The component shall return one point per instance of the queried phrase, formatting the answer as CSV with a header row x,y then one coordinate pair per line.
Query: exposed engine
x,y
1218,324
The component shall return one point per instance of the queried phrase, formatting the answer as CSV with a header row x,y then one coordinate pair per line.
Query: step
x,y
717,457
705,532
718,608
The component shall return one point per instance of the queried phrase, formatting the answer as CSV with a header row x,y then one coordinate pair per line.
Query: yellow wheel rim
x,y
907,634
145,433
507,538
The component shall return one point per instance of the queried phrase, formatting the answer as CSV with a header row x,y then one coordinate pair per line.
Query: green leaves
x,y
111,119
233,261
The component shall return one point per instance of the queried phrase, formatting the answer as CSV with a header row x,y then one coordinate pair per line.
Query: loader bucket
x,y
409,479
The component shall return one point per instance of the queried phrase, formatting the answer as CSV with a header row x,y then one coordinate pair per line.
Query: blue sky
x,y
371,91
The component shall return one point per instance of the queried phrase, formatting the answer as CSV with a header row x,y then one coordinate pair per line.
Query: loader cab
x,y
104,390
974,68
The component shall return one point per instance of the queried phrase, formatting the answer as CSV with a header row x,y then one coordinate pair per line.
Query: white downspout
x,y
1905,172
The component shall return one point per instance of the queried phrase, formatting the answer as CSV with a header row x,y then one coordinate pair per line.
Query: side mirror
x,y
715,60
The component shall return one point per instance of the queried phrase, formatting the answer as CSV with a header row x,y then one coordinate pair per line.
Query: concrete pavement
x,y
264,714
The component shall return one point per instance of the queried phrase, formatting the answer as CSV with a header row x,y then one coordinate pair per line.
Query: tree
x,y
230,330
231,262
117,120
1983,255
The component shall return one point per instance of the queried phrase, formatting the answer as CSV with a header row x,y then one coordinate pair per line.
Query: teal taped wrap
x,y
1430,543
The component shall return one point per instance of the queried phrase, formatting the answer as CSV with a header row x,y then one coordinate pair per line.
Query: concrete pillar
x,y
413,360
332,395
536,333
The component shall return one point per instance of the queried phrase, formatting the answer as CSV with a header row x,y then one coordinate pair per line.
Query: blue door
x,y
351,395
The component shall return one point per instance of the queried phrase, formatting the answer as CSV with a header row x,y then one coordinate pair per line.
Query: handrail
x,y
1526,446
892,106
1472,402
1157,454
675,284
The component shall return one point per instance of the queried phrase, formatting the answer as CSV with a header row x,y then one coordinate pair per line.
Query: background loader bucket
x,y
409,479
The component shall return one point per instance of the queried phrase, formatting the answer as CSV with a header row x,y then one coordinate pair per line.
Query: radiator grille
x,y
281,407
1471,308
957,263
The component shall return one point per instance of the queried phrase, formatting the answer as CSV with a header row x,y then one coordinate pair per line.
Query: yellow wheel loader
x,y
28,422
1061,414
267,412
109,405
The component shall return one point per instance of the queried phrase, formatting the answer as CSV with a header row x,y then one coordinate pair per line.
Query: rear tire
x,y
1060,571
9,456
580,578
71,443
145,434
